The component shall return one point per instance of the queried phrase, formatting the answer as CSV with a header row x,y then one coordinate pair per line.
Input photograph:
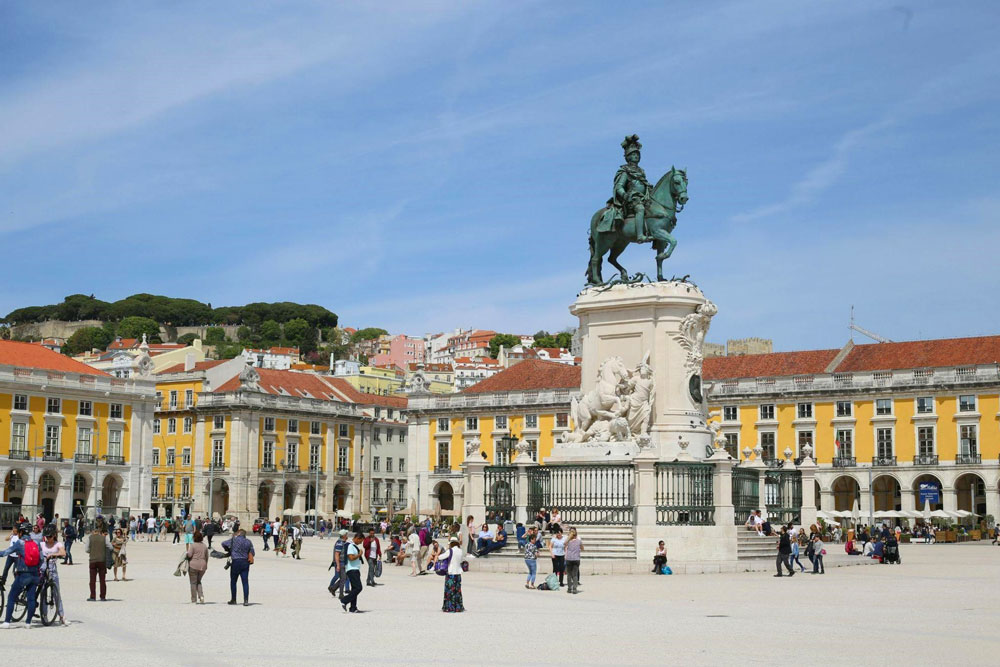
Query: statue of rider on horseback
x,y
636,213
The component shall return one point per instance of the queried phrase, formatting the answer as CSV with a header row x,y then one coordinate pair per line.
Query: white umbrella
x,y
289,512
856,512
941,514
926,516
315,513
961,514
826,516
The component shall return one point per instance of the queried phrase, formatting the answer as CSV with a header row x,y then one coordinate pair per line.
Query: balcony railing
x,y
52,457
925,460
343,472
968,459
115,460
292,467
217,467
19,455
880,461
268,468
442,470
316,468
83,458
844,462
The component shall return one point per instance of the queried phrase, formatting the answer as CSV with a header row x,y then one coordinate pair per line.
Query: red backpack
x,y
32,554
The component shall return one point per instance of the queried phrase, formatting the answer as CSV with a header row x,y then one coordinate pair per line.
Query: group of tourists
x,y
284,535
792,541
565,551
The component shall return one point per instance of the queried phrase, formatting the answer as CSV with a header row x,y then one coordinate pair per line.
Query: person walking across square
x,y
784,553
353,570
242,553
373,550
98,545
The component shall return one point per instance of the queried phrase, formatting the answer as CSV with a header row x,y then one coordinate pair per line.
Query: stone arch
x,y
887,493
971,488
83,489
48,493
265,492
846,491
220,499
14,487
111,487
340,495
288,497
310,496
932,479
444,497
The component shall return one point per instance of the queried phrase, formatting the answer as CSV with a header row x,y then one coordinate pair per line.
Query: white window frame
x,y
186,456
19,441
443,425
84,440
500,423
850,409
269,423
188,424
293,426
53,402
916,405
968,450
86,409
839,453
879,453
156,457
974,405
19,398
343,456
171,457
53,439
157,426
884,414
172,426
766,412
730,413
933,440
376,463
189,397
267,456
799,410
218,452
173,399
116,411
471,424
219,423
531,421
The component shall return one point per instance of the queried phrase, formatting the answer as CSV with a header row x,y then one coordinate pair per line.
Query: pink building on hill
x,y
403,350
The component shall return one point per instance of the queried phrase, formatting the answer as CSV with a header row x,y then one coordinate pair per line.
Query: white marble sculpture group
x,y
618,408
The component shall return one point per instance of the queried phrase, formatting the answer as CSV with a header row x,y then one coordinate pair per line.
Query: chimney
x,y
189,361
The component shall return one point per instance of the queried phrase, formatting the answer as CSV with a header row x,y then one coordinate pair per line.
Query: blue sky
x,y
423,166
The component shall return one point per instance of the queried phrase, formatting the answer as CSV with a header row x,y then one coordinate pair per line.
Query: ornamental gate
x,y
499,491
600,494
684,494
783,495
746,493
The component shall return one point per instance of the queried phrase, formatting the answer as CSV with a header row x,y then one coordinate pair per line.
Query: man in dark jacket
x,y
784,551
98,545
373,552
25,575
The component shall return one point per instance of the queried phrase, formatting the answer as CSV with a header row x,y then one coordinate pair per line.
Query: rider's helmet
x,y
24,528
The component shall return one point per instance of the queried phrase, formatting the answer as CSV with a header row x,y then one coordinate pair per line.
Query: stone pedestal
x,y
474,469
808,470
667,320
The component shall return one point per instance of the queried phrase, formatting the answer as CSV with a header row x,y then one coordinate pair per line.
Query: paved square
x,y
939,607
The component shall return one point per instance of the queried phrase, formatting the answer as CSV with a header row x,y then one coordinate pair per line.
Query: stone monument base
x,y
591,452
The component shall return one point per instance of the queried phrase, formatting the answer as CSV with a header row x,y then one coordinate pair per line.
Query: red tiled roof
x,y
530,374
942,352
30,355
553,351
431,368
198,366
776,364
123,344
311,385
363,398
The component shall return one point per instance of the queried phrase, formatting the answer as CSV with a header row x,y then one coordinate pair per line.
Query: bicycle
x,y
47,599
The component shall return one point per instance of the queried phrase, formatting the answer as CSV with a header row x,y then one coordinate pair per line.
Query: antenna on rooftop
x,y
861,330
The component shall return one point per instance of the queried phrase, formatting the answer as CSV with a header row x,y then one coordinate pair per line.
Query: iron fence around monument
x,y
783,496
746,493
684,494
499,491
585,494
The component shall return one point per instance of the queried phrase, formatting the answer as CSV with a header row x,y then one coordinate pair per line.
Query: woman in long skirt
x,y
453,580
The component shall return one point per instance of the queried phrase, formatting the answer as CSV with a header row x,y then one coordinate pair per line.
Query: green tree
x,y
270,333
227,350
86,339
564,339
301,334
134,327
369,333
507,340
187,338
244,333
335,338
215,335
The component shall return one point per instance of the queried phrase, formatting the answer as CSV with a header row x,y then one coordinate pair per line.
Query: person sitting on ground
x,y
758,523
485,537
849,548
494,545
868,549
393,550
878,549
766,528
659,558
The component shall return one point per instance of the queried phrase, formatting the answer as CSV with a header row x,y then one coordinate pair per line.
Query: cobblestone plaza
x,y
932,609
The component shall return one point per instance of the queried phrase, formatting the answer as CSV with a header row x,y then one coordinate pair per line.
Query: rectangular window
x,y
967,403
767,412
388,490
925,405
53,406
51,440
156,487
443,425
269,424
805,410
530,421
402,492
733,445
189,397
186,456
376,463
402,435
19,437
157,426
967,437
883,443
342,459
171,456
156,458
883,406
342,429
173,399
730,413
315,428
533,450
925,441
472,423
845,409
188,422
186,487
314,456
172,425
377,434
769,444
115,411
21,402
388,434
562,420
378,413
169,487
267,460
845,444
388,464
293,425
83,440
805,438
501,422
219,423
376,490
86,409
219,454
444,456
402,465
159,400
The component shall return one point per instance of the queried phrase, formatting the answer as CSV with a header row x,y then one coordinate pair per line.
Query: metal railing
x,y
19,455
595,494
844,462
772,462
268,468
499,490
881,461
83,458
968,459
684,494
219,467
783,495
56,458
442,470
746,493
925,460
115,460
316,468
343,472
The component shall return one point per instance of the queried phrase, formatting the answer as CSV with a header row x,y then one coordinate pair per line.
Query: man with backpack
x,y
29,557
339,585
